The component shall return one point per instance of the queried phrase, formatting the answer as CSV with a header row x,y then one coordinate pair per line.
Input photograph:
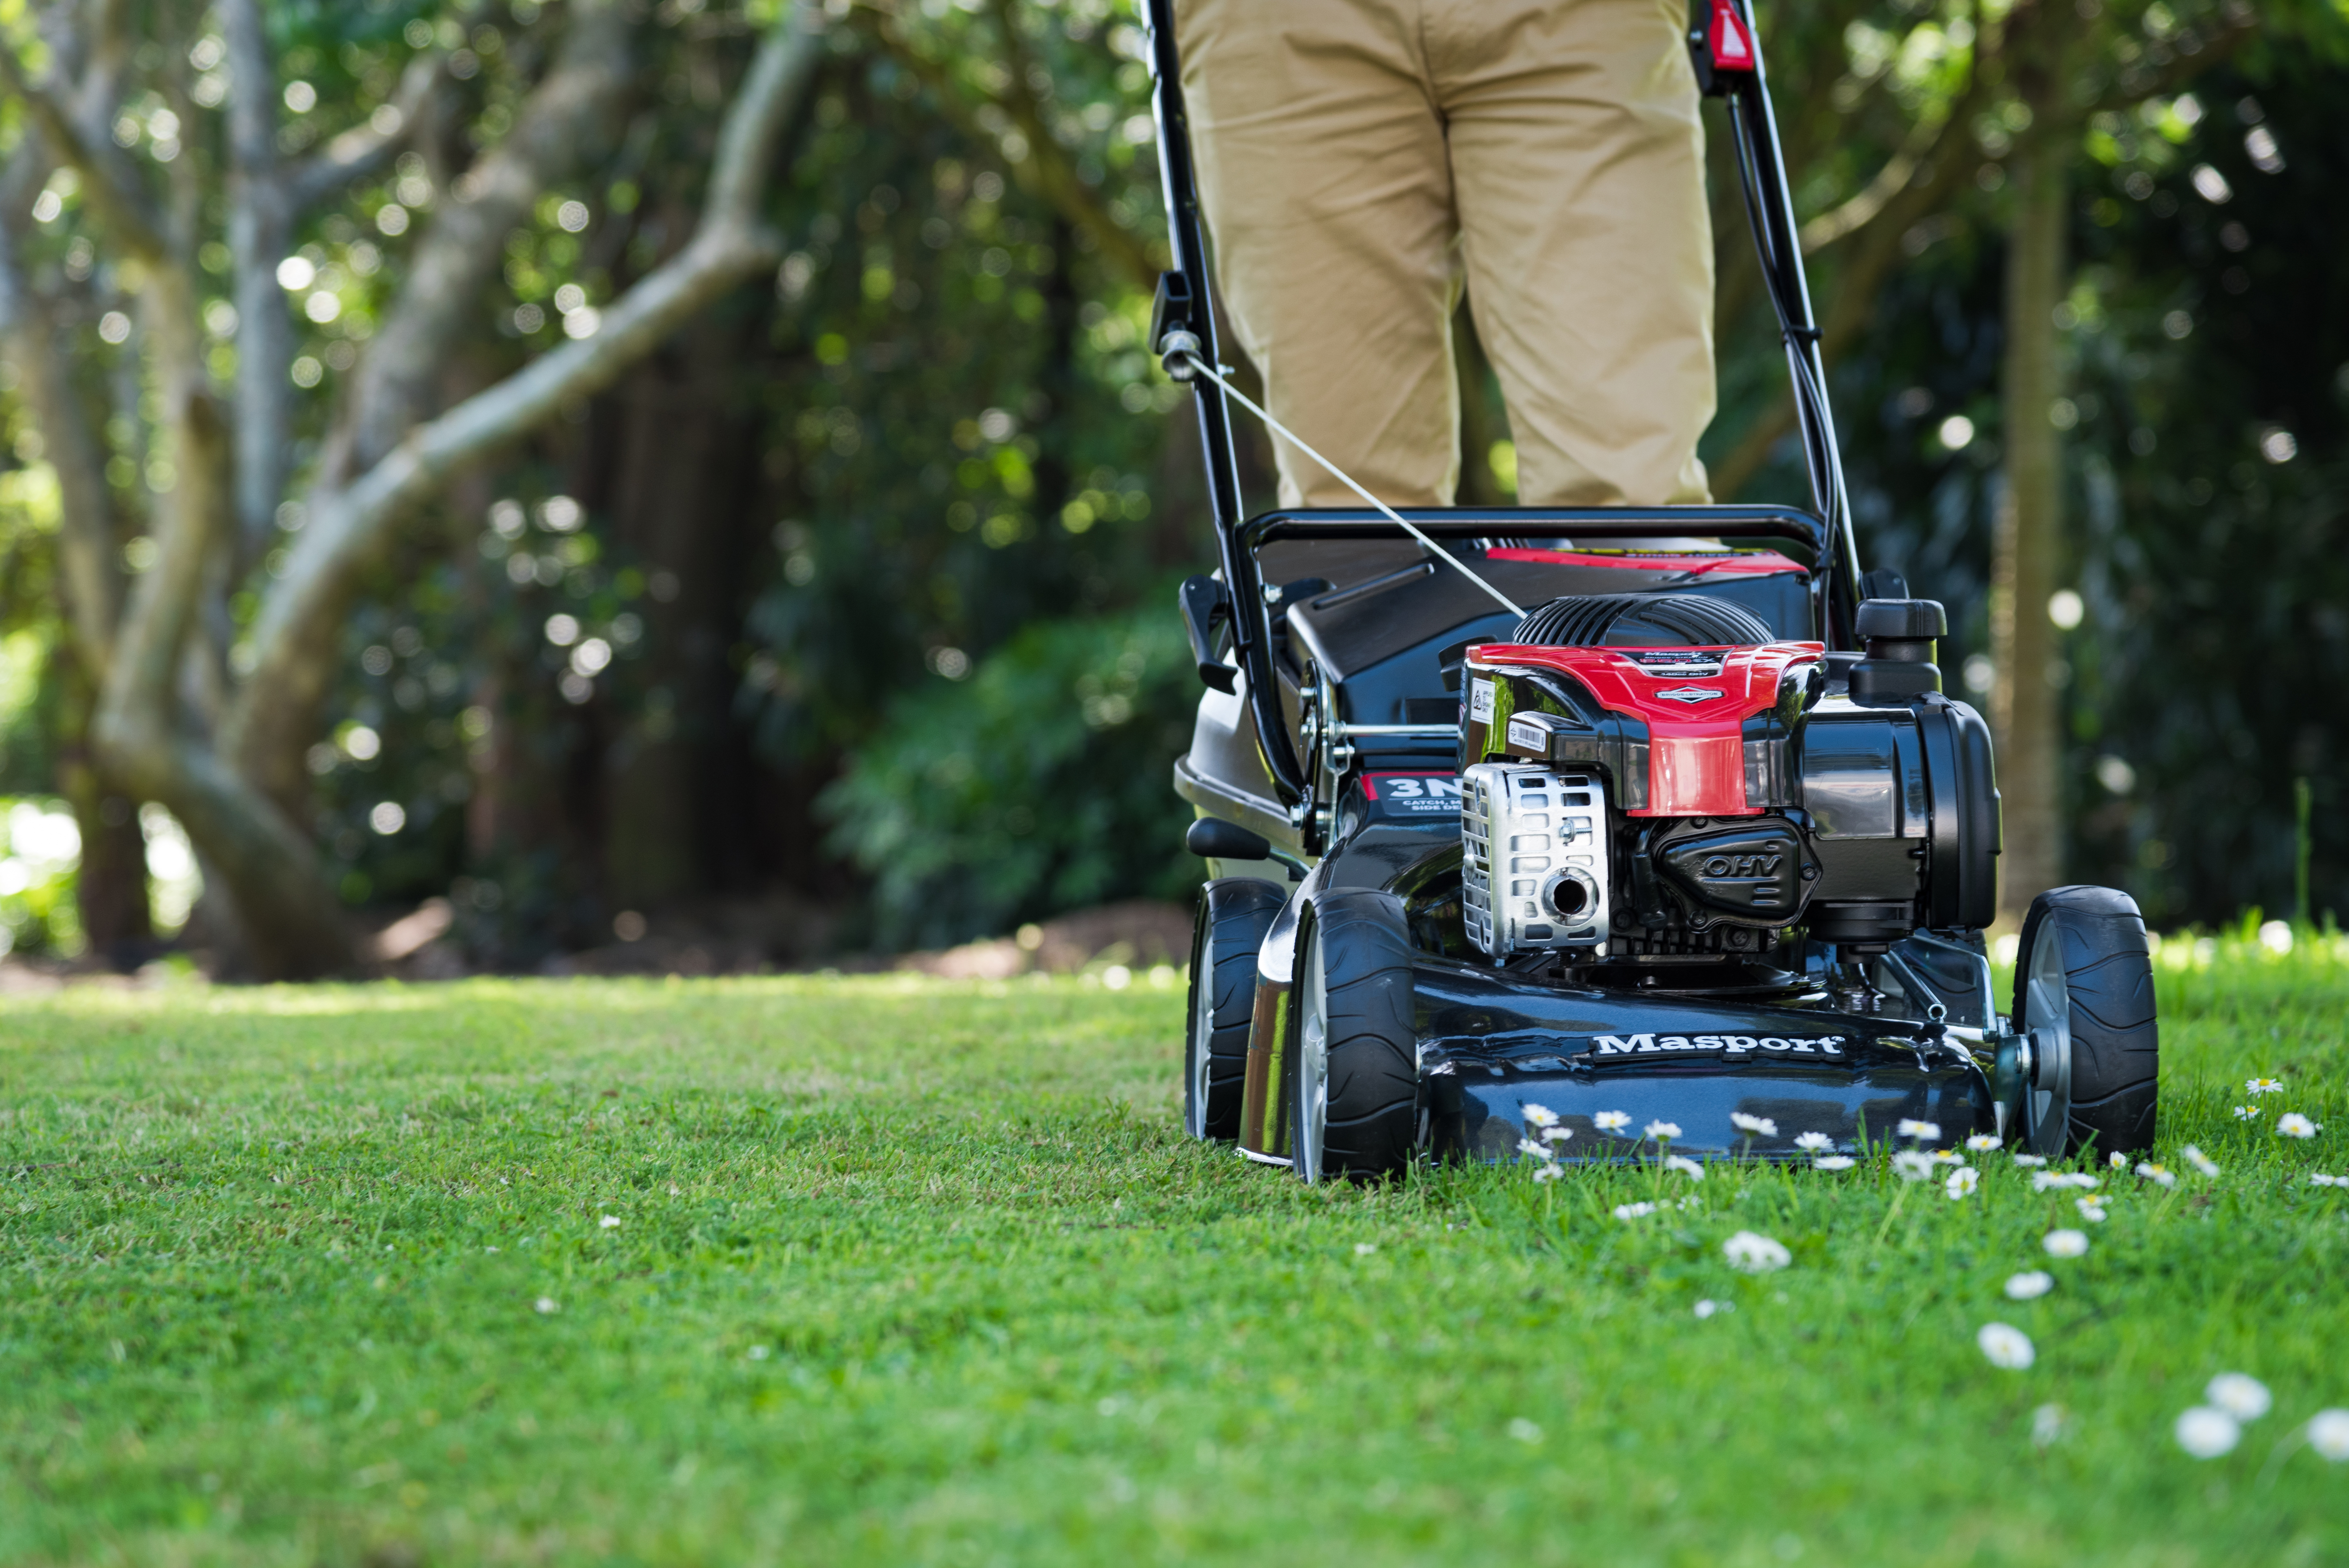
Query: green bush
x,y
1039,781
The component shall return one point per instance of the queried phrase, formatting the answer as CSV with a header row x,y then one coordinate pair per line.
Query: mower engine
x,y
1650,778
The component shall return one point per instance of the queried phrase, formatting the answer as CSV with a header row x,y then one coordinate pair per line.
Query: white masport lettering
x,y
1730,1045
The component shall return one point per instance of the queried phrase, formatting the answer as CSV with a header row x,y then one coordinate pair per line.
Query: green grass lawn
x,y
818,1271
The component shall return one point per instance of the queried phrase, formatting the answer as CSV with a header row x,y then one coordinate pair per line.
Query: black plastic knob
x,y
1902,620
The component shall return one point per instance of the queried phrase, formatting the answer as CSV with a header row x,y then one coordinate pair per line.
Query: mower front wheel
x,y
2084,999
1352,1061
1235,913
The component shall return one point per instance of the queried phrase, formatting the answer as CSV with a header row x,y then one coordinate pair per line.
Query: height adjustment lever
x,y
1205,606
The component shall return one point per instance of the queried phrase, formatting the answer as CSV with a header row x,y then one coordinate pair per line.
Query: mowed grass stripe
x,y
923,1272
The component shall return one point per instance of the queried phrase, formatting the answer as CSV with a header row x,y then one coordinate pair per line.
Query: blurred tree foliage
x,y
1036,784
856,594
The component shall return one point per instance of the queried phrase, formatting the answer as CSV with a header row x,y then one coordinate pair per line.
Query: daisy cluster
x,y
2231,1399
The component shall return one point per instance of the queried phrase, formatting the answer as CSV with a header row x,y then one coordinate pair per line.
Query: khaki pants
x,y
1359,159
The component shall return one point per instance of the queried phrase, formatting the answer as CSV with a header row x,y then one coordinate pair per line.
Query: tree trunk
x,y
682,489
111,886
2028,538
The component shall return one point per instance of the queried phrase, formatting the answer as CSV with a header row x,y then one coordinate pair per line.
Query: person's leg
x,y
1577,159
1323,171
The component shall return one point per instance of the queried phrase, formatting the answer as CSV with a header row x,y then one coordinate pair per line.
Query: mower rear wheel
x,y
2084,988
1235,913
1352,1056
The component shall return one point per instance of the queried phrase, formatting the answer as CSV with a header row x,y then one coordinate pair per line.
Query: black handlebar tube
x,y
1186,302
1769,208
1251,628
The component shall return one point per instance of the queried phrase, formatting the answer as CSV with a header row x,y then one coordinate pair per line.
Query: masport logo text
x,y
1727,1045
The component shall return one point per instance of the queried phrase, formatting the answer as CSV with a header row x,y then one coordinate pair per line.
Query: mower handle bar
x,y
1184,304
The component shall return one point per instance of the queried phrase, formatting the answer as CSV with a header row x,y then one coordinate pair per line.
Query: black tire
x,y
2108,974
1366,1100
1235,913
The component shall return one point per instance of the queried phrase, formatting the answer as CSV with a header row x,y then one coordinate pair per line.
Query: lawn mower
x,y
1696,851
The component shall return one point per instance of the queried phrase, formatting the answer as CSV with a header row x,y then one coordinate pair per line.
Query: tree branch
x,y
86,534
1047,170
110,183
362,149
1880,232
574,108
1924,141
349,525
260,227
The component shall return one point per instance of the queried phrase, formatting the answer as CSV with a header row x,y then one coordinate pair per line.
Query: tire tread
x,y
1374,1110
2116,1029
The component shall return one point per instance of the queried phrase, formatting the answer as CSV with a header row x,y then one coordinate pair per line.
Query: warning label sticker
x,y
1411,795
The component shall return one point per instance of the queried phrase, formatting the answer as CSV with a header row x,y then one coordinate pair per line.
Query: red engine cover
x,y
1696,751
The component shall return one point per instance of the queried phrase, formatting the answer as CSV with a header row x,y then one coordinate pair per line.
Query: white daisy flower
x,y
2118,1160
1556,1134
1547,1173
1982,1142
1611,1120
1538,1151
2047,1425
2320,1178
1961,1181
2207,1433
1540,1116
1633,1210
2029,1286
2159,1175
1927,1131
2247,1113
1659,1130
2005,1346
2065,1243
1706,1309
2031,1160
546,1303
1686,1166
2240,1394
2199,1161
1524,1432
1756,1124
2053,1180
1834,1163
2091,1210
2262,1086
2328,1434
1814,1142
1750,1254
609,1222
1911,1165
2291,1124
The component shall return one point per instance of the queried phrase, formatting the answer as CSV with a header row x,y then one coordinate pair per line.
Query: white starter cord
x,y
1182,352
